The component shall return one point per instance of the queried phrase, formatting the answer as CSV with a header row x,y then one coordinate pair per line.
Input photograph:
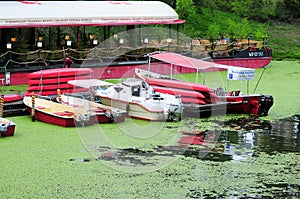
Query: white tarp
x,y
238,73
14,14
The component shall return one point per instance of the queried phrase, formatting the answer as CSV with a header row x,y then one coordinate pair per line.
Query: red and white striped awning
x,y
22,14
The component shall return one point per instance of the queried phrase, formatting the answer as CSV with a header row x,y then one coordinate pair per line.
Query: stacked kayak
x,y
47,82
191,93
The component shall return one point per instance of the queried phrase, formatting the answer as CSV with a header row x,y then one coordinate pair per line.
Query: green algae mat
x,y
241,157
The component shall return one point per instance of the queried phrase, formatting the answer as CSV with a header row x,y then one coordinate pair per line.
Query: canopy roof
x,y
184,61
22,14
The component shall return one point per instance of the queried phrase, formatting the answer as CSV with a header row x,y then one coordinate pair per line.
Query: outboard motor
x,y
175,112
114,115
265,103
3,127
82,119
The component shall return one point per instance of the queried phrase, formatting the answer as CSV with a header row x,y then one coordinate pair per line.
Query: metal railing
x,y
98,55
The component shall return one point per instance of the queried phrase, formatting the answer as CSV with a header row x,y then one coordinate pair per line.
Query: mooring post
x,y
33,107
1,105
59,95
92,94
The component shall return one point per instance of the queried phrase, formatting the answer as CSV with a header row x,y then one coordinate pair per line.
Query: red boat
x,y
216,102
104,114
7,127
58,114
246,58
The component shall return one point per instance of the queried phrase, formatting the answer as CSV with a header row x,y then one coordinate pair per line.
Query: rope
x,y
41,83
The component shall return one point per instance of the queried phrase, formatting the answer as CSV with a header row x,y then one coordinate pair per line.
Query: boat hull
x,y
104,114
258,105
10,131
244,62
58,114
135,110
7,128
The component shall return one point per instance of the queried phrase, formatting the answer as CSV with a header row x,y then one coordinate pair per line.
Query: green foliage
x,y
213,24
254,9
285,40
287,10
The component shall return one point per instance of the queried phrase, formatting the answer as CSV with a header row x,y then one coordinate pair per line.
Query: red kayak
x,y
210,98
59,72
12,98
178,84
192,101
56,80
54,92
181,92
50,87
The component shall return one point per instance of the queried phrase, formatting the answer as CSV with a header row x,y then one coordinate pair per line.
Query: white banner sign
x,y
240,74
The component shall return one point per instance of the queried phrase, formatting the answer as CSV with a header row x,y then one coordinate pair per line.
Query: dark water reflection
x,y
242,139
262,136
247,137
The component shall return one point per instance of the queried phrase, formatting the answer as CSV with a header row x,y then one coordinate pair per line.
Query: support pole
x,y
171,71
59,96
5,80
259,79
92,94
149,62
1,105
228,85
248,87
33,107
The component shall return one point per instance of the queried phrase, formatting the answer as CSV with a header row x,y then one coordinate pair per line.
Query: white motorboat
x,y
141,101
